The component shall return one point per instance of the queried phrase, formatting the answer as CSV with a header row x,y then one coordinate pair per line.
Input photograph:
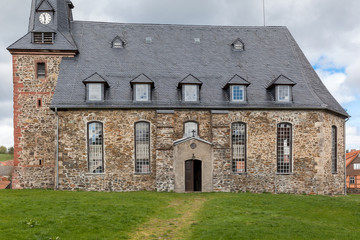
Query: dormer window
x,y
281,89
95,92
142,92
191,93
283,93
142,86
118,43
43,38
237,93
238,45
237,86
95,88
190,87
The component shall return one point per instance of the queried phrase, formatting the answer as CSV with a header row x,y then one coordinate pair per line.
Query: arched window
x,y
190,129
142,147
334,149
284,148
238,147
95,147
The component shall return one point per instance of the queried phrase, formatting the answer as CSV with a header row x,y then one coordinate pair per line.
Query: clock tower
x,y
36,65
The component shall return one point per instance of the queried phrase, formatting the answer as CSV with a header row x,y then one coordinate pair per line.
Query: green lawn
x,y
5,157
41,214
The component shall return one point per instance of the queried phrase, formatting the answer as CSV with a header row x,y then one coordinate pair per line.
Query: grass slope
x,y
41,214
6,157
267,216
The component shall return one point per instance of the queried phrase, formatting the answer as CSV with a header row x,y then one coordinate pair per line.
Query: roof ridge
x,y
179,24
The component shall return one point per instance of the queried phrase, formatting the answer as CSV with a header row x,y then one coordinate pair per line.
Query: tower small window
x,y
39,103
283,93
41,70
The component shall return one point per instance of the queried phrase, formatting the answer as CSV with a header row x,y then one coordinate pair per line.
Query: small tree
x,y
10,150
3,149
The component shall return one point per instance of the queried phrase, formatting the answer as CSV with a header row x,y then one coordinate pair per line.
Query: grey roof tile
x,y
269,53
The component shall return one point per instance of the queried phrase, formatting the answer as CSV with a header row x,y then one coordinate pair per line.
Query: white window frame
x,y
95,92
189,127
142,92
190,93
352,180
356,166
280,89
242,88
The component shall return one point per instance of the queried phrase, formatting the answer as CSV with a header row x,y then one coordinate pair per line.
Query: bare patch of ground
x,y
175,226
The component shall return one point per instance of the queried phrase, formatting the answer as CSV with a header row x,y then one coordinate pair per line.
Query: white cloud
x,y
352,138
6,130
335,83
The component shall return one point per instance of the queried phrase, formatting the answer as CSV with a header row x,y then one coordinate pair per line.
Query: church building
x,y
104,106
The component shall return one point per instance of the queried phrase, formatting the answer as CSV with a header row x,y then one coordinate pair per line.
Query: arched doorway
x,y
193,176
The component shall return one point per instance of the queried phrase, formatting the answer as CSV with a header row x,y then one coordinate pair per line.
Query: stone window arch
x,y
284,148
142,147
95,143
238,147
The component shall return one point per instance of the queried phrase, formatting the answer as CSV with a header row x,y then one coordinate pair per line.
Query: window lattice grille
x,y
95,149
238,147
334,149
284,148
142,147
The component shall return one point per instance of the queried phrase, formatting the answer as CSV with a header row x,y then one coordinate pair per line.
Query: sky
x,y
328,32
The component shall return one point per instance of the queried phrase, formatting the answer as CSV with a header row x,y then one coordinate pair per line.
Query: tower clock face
x,y
45,18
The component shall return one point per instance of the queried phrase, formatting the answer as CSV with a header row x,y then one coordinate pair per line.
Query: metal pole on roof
x,y
264,13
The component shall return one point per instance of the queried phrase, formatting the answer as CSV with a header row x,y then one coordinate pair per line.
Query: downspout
x,y
57,151
347,119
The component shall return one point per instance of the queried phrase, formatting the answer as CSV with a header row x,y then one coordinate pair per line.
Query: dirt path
x,y
175,227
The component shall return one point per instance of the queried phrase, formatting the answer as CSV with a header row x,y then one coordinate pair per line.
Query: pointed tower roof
x,y
59,25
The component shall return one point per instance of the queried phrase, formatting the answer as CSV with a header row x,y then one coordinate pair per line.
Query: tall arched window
x,y
95,147
334,149
190,129
238,147
284,148
142,147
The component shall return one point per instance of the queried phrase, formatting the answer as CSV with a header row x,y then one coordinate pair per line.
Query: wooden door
x,y
189,176
193,176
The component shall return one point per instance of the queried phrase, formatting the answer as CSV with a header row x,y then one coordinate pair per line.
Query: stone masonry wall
x,y
34,126
311,150
119,170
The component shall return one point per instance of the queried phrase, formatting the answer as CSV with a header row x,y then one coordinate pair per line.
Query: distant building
x,y
128,107
353,171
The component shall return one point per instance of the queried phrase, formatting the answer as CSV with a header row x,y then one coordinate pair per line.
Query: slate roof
x,y
173,55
